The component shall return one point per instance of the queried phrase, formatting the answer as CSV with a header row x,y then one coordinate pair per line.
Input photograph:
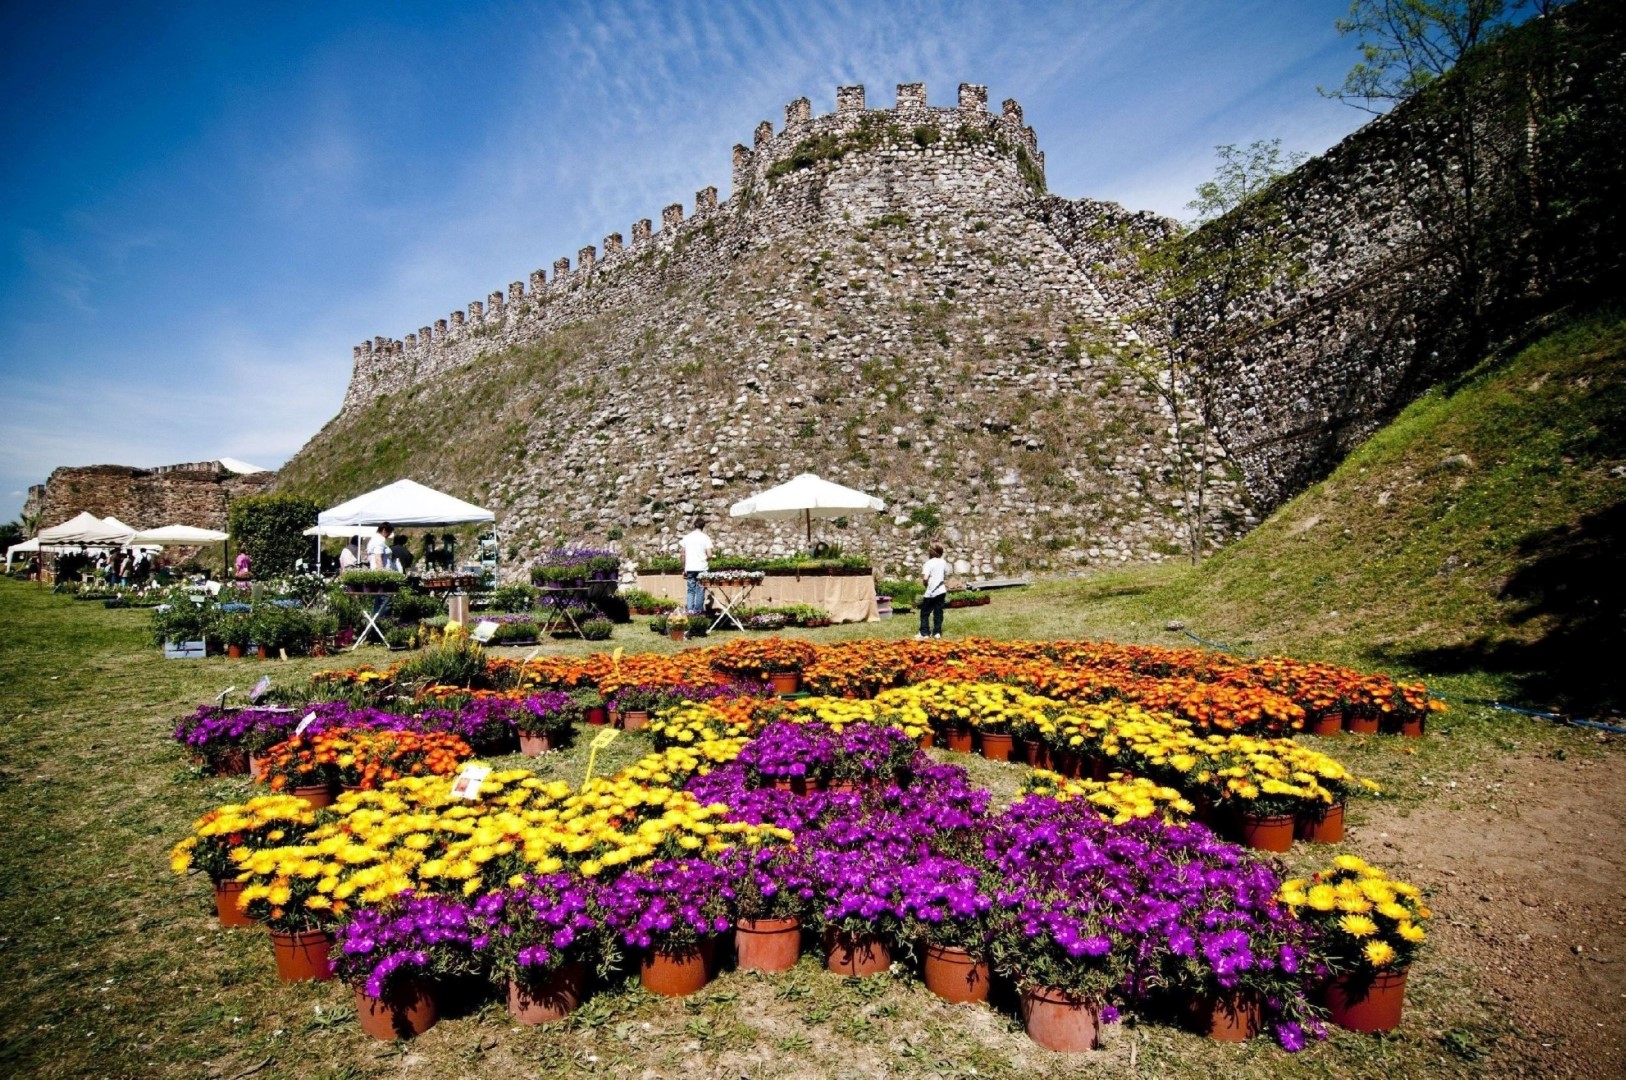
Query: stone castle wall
x,y
196,493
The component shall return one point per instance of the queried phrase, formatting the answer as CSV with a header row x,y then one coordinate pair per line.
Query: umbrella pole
x,y
809,515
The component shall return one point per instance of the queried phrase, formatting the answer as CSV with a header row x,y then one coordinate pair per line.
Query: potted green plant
x,y
677,625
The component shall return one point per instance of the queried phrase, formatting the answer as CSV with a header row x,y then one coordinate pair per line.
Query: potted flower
x,y
217,738
302,767
948,913
634,704
236,630
597,629
1369,929
515,632
545,722
591,704
543,936
771,890
282,889
366,760
672,911
262,822
677,625
789,757
857,872
391,957
864,754
776,660
369,582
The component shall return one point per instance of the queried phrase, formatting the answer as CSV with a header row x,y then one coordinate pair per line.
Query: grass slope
x,y
1481,532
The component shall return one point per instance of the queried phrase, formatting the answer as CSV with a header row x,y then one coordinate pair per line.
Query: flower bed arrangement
x,y
1089,895
368,582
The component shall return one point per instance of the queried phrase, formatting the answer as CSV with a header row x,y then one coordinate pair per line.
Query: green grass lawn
x,y
115,966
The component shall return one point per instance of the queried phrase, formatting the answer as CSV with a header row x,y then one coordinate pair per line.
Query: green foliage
x,y
271,528
1409,45
183,620
597,629
904,592
926,517
515,597
520,630
356,579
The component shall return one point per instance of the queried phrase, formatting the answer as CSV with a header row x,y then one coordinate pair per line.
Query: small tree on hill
x,y
271,528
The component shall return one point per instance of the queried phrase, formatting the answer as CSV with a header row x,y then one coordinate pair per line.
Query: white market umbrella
x,y
178,536
407,504
27,547
806,497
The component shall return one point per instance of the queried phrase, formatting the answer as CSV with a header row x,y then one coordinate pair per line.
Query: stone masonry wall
x,y
196,493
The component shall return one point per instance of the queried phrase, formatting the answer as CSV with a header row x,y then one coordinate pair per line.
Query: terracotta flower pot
x,y
256,767
597,715
1409,726
549,999
855,954
1099,767
1328,723
1266,832
262,652
318,795
1028,751
1058,1021
233,762
406,1009
959,740
952,974
841,787
1067,762
797,784
1320,825
1232,1017
996,746
927,740
768,944
676,972
226,909
677,635
1366,1002
303,955
1360,723
785,682
234,651
634,719
533,743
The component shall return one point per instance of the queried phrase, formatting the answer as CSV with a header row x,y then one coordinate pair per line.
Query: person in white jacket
x,y
934,575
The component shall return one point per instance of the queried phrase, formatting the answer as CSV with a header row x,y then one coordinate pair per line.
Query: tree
x,y
1234,246
12,532
271,528
1473,190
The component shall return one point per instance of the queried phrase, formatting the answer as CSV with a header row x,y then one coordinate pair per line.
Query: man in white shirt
x,y
348,559
696,547
934,575
378,548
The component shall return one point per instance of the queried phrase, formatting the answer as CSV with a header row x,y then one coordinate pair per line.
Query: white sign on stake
x,y
259,690
221,697
467,784
483,631
304,723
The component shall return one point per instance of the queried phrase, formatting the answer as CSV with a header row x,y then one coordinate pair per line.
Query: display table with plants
x,y
843,588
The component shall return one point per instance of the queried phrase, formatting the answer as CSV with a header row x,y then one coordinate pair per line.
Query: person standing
x,y
934,575
697,547
242,566
378,548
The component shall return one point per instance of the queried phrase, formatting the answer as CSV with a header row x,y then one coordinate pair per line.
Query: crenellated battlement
x,y
776,167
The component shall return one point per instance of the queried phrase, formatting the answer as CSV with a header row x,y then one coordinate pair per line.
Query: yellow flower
x,y
1350,862
1323,897
1379,953
1411,932
1358,926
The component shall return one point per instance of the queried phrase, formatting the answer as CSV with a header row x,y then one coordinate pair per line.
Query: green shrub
x,y
413,607
515,597
904,593
514,631
271,528
597,629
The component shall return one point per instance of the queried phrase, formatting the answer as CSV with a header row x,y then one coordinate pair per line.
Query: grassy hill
x,y
1484,530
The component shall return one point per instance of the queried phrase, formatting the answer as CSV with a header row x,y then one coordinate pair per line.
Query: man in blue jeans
x,y
935,577
696,547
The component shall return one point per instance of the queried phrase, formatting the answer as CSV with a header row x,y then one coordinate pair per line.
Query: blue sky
x,y
204,206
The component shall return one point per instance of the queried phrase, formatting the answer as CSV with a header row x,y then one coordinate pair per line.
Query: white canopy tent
x,y
353,533
82,528
117,531
806,497
27,547
405,504
178,536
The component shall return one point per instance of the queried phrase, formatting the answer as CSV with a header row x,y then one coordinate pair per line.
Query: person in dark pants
x,y
935,577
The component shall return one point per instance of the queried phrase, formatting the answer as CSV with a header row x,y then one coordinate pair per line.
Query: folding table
x,y
718,589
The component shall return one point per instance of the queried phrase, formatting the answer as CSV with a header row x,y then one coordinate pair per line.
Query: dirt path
x,y
1526,870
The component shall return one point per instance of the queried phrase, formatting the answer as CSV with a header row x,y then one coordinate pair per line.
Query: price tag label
x,y
304,723
220,698
260,688
467,784
604,738
483,631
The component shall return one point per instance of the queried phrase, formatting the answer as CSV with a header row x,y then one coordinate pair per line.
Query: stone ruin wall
x,y
195,493
972,165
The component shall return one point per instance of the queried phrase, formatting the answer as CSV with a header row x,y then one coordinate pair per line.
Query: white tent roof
x,y
82,528
231,464
25,548
806,496
342,530
117,531
179,535
405,504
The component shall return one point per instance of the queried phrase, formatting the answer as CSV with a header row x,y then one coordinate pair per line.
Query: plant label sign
x,y
467,784
259,690
220,698
305,722
604,738
483,631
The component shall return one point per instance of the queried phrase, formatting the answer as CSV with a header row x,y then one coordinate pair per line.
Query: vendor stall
x,y
847,595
